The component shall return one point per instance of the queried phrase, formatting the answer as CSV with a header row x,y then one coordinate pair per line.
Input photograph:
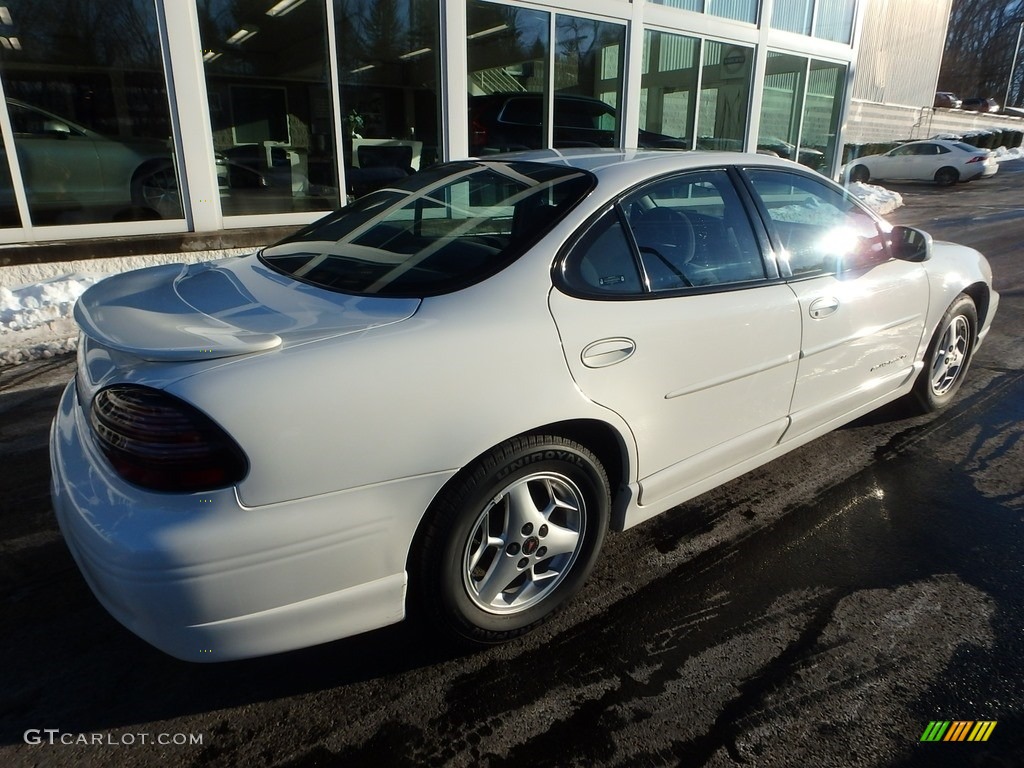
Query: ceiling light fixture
x,y
5,15
486,32
283,7
242,35
413,54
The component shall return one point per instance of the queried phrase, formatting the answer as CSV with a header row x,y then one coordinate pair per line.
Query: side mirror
x,y
910,244
56,129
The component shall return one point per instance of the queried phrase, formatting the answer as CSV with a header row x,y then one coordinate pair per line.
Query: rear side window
x,y
439,230
820,228
689,231
692,231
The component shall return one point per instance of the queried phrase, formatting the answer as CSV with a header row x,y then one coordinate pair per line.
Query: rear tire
x,y
946,177
948,356
510,540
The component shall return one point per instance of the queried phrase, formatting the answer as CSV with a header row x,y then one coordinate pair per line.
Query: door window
x,y
821,229
692,231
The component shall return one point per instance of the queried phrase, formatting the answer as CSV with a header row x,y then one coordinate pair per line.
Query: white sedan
x,y
939,160
439,399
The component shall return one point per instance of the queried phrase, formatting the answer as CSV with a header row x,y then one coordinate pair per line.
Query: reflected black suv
x,y
505,122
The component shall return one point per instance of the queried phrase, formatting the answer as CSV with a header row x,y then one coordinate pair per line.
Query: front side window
x,y
88,102
439,230
821,229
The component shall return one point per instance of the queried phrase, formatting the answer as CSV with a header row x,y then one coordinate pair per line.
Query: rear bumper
x,y
203,578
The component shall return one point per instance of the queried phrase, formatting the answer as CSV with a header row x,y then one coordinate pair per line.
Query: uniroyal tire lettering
x,y
550,455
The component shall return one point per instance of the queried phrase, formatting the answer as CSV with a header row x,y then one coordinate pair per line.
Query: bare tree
x,y
980,49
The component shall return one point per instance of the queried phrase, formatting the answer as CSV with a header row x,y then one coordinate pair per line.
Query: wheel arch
x,y
600,437
981,296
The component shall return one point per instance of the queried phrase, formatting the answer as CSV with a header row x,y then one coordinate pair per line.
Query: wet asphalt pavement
x,y
821,611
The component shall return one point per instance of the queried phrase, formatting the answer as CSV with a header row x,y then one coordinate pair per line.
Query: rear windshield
x,y
441,229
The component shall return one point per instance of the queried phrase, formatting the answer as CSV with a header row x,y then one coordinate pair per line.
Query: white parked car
x,y
440,398
941,161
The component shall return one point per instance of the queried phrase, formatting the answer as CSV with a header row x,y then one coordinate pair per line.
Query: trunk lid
x,y
237,306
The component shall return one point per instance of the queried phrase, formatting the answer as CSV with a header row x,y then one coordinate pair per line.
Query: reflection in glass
x,y
588,82
741,10
821,114
507,53
388,70
781,105
800,108
724,96
793,15
88,104
270,106
668,95
834,20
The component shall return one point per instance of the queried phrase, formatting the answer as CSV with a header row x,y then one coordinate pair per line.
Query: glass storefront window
x,y
741,10
668,95
781,104
724,96
388,74
822,107
88,105
834,20
588,82
686,5
507,50
800,109
509,61
831,19
270,105
793,16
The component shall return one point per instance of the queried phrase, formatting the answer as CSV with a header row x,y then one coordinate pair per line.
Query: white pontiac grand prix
x,y
439,399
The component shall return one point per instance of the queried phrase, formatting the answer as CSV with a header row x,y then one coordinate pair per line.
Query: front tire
x,y
511,539
860,174
948,356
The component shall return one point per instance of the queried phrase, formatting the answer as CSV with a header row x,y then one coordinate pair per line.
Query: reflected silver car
x,y
73,174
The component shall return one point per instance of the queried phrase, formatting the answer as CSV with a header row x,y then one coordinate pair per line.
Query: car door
x,y
862,312
58,161
670,317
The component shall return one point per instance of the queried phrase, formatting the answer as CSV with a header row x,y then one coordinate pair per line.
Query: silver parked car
x,y
942,161
439,399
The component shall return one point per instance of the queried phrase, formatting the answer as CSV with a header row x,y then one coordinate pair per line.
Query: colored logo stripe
x,y
982,730
935,731
958,730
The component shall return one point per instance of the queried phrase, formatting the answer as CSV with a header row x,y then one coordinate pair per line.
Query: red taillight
x,y
978,159
157,441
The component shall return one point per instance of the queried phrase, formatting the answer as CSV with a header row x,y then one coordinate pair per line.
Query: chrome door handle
x,y
823,307
605,352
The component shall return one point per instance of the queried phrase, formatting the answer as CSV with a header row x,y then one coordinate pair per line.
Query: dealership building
x,y
204,126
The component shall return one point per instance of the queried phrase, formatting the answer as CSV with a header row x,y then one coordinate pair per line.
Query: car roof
x,y
627,166
642,163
